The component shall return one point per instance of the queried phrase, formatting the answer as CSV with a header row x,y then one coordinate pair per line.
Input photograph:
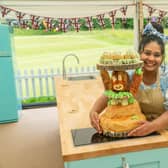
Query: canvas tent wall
x,y
82,8
68,8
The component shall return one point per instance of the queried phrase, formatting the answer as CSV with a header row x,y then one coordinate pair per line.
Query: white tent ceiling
x,y
64,8
68,8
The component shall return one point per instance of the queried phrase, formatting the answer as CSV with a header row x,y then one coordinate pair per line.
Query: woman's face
x,y
152,57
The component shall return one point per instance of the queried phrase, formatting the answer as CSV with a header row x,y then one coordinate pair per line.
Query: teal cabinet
x,y
156,158
6,41
10,104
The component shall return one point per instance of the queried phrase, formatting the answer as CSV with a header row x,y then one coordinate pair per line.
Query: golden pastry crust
x,y
121,118
106,79
120,80
119,55
136,81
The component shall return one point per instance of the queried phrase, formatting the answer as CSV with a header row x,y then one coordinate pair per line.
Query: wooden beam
x,y
138,23
140,4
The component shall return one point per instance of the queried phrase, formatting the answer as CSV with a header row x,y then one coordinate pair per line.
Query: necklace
x,y
149,80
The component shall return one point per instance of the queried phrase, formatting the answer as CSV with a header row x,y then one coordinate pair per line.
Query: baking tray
x,y
88,136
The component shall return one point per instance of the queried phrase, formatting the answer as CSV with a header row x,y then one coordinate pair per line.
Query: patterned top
x,y
164,85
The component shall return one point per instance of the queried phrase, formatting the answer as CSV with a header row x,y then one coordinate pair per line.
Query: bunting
x,y
76,24
19,15
151,10
161,15
4,11
124,11
101,20
64,24
89,23
112,16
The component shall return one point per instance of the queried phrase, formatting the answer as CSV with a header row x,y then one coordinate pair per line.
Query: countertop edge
x,y
108,152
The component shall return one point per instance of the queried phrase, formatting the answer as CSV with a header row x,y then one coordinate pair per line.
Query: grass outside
x,y
47,51
43,99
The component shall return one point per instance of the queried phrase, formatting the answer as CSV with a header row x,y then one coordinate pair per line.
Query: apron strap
x,y
158,79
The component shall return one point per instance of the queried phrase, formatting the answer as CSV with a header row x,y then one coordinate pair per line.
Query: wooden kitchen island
x,y
74,100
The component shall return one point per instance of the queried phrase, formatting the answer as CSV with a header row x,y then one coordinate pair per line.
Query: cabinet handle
x,y
124,163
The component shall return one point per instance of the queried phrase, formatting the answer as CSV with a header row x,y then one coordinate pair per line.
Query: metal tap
x,y
63,64
124,163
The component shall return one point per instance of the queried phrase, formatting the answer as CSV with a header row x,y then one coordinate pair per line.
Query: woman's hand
x,y
94,119
145,128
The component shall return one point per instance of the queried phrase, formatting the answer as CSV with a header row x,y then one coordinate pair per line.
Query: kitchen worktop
x,y
74,100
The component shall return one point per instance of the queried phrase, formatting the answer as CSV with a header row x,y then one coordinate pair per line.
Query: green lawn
x,y
47,51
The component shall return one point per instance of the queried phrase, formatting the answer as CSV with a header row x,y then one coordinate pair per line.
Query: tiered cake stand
x,y
123,67
120,67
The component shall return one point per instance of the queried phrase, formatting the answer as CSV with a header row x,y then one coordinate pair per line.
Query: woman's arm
x,y
148,127
157,124
100,104
97,108
161,122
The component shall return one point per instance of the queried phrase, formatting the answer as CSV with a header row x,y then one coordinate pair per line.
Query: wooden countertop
x,y
74,100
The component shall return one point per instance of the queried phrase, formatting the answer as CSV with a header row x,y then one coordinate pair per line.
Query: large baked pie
x,y
121,119
123,112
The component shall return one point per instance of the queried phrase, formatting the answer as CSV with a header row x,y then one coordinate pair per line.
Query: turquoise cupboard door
x,y
156,158
145,159
99,162
6,41
8,94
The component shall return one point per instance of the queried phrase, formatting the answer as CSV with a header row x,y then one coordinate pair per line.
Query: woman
x,y
151,92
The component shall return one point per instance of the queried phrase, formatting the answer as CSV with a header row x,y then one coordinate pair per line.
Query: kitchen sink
x,y
75,78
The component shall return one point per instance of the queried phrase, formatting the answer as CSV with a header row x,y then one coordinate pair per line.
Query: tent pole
x,y
138,23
